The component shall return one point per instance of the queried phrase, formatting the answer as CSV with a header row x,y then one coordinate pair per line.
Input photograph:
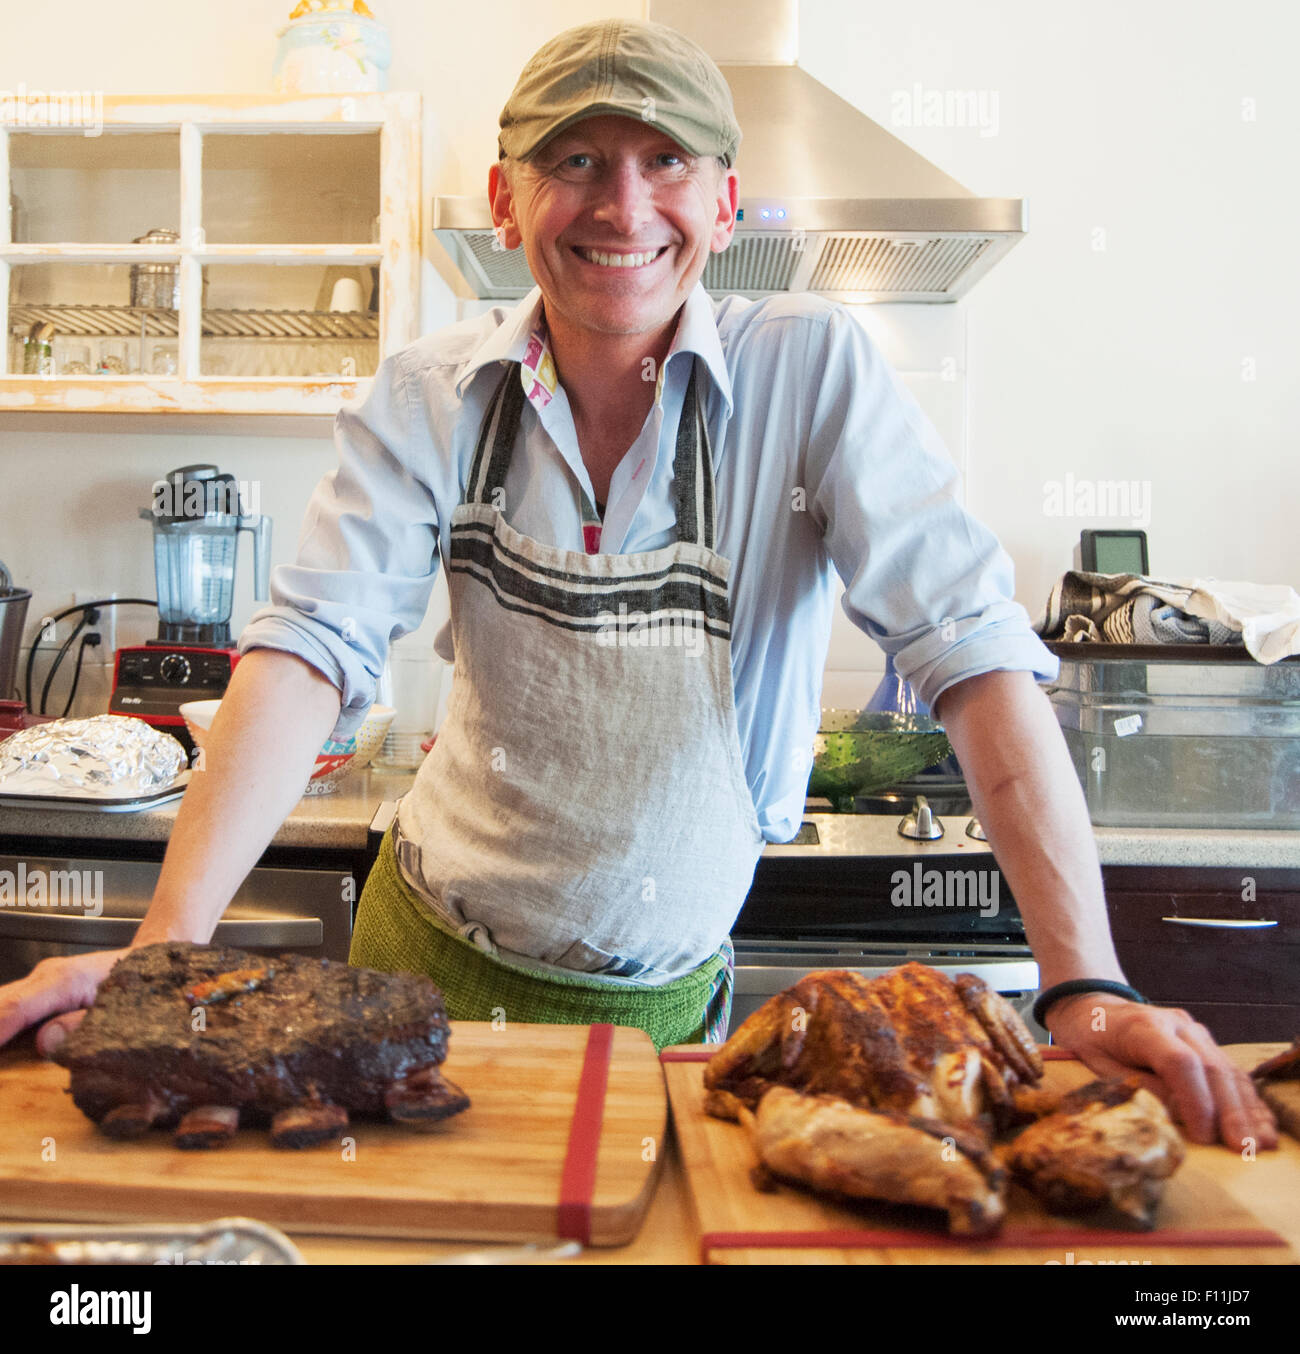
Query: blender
x,y
197,515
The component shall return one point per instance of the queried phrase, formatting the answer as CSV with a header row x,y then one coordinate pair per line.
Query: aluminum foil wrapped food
x,y
107,756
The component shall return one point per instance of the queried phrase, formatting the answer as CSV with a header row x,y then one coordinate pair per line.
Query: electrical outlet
x,y
106,625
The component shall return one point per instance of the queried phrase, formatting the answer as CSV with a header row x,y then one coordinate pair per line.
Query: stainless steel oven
x,y
852,891
53,905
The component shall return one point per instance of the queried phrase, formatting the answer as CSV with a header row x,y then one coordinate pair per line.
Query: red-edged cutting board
x,y
1198,1222
563,1138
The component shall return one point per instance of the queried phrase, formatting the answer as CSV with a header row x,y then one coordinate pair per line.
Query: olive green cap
x,y
645,71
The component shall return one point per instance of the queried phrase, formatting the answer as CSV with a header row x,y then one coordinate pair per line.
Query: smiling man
x,y
617,221
584,833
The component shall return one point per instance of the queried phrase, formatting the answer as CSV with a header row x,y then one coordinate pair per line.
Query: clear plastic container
x,y
1175,742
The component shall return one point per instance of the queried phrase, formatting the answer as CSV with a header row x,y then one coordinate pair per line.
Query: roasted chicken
x,y
896,1087
912,1041
1107,1144
828,1144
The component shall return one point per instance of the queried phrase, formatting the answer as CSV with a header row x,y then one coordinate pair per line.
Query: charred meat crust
x,y
312,1032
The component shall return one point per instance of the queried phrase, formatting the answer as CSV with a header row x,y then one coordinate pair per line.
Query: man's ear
x,y
502,202
728,201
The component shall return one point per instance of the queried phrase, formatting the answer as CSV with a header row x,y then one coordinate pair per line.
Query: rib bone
x,y
132,1121
308,1125
207,1126
424,1098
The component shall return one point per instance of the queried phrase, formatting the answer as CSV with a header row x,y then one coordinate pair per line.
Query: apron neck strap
x,y
693,471
692,462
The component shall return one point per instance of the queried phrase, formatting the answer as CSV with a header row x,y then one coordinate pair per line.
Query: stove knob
x,y
175,668
976,829
921,824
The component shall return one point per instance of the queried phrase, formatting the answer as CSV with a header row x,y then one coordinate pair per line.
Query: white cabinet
x,y
281,264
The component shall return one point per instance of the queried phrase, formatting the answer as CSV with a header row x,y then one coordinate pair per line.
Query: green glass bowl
x,y
857,752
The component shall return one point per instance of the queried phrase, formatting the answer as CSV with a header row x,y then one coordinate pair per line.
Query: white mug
x,y
347,295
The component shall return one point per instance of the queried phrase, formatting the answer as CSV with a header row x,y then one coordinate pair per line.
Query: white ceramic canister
x,y
335,52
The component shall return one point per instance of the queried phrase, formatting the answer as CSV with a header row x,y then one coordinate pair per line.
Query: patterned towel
x,y
1128,609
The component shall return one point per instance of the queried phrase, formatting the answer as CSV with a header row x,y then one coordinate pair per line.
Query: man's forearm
x,y
274,717
1028,798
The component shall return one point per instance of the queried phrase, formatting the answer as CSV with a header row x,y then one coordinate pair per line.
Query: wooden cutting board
x,y
1198,1222
563,1138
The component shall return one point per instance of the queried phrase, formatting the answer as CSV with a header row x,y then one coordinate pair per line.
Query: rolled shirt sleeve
x,y
367,552
923,577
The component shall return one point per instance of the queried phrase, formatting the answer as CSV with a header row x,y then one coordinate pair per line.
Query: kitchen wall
x,y
1145,328
1138,334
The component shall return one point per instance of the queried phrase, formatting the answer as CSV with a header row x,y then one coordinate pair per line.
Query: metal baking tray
x,y
99,803
225,1241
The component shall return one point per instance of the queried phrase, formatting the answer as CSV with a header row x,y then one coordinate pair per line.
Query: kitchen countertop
x,y
1248,848
340,820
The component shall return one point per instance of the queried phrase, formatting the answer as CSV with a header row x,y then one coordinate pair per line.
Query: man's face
x,y
617,222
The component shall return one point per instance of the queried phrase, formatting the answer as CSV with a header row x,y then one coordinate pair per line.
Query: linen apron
x,y
584,810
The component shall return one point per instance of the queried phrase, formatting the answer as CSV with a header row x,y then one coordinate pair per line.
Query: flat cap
x,y
645,71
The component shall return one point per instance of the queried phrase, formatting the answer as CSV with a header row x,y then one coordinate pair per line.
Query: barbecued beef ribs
x,y
205,1038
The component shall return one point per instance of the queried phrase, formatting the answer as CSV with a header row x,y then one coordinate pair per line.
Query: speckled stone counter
x,y
1249,848
340,820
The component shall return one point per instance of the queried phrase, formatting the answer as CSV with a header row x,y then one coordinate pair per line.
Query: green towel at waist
x,y
395,932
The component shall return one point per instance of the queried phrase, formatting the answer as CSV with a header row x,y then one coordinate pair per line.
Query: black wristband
x,y
1052,995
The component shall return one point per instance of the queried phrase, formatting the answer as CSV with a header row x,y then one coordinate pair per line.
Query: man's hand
x,y
1027,795
1174,1057
62,987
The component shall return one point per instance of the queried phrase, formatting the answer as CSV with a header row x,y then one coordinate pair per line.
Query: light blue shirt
x,y
823,463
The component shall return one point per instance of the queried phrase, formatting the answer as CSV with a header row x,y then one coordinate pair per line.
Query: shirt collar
x,y
521,337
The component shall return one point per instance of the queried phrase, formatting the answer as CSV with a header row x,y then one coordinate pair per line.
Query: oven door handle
x,y
115,932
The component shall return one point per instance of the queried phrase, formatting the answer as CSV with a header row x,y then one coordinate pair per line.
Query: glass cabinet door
x,y
237,254
309,321
66,187
317,187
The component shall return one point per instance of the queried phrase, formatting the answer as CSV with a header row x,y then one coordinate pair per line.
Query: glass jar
x,y
38,356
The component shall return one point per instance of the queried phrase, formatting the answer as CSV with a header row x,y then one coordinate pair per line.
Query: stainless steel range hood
x,y
831,202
